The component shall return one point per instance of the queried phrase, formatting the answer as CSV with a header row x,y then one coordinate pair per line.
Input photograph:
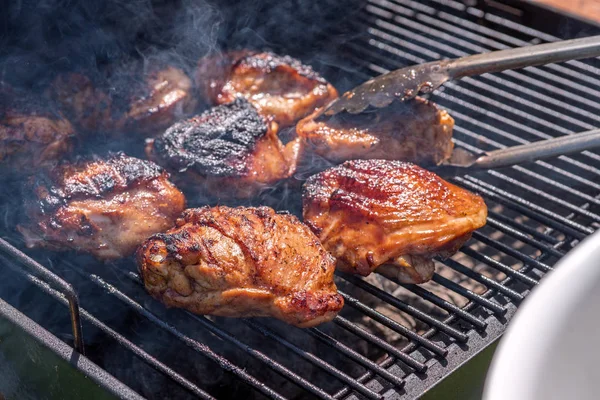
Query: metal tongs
x,y
406,83
462,161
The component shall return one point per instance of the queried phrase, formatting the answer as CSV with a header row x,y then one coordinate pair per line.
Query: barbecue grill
x,y
392,340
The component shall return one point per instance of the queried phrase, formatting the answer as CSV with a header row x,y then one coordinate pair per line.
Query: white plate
x,y
551,349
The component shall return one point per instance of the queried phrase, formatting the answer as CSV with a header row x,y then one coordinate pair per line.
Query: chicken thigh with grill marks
x,y
280,87
229,150
32,134
416,131
391,216
242,262
106,207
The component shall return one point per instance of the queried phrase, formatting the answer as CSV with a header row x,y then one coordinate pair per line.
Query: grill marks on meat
x,y
280,87
242,262
229,146
32,134
122,102
416,131
390,215
104,207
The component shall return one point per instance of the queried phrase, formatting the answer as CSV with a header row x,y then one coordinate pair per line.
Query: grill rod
x,y
65,287
408,82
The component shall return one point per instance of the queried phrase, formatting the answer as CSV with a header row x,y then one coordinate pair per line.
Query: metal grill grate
x,y
414,335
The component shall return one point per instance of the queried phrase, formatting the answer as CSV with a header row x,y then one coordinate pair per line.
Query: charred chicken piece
x,y
416,131
106,207
391,216
123,102
242,262
230,150
280,87
32,134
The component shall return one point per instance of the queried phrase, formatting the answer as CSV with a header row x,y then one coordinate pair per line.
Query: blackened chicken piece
x,y
280,87
242,262
33,135
416,131
230,150
106,207
391,216
129,100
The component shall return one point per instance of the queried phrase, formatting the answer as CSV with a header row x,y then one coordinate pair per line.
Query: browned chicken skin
x,y
229,150
104,207
416,131
242,262
280,87
32,134
390,215
124,103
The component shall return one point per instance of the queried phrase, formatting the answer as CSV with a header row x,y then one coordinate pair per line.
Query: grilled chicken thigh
x,y
415,131
129,100
280,87
389,215
242,262
104,207
32,135
230,150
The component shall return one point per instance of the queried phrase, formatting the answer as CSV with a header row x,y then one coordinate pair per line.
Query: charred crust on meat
x,y
116,173
214,142
269,62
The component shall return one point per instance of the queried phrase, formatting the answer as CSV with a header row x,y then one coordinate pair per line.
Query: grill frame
x,y
487,327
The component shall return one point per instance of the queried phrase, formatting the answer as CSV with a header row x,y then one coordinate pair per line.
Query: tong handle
x,y
521,57
539,150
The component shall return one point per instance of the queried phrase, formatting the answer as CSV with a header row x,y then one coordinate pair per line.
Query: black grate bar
x,y
516,138
499,266
274,365
403,357
393,301
527,208
511,252
193,344
449,307
391,350
396,327
213,328
488,282
549,197
65,287
466,293
523,237
497,217
478,49
358,358
123,341
552,168
315,360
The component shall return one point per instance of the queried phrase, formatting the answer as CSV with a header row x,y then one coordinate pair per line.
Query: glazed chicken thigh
x,y
127,100
280,87
416,131
106,207
389,215
242,262
32,134
229,150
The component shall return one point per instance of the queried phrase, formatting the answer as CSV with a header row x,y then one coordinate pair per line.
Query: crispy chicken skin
x,y
280,87
123,102
106,207
229,150
242,262
32,135
390,215
416,131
